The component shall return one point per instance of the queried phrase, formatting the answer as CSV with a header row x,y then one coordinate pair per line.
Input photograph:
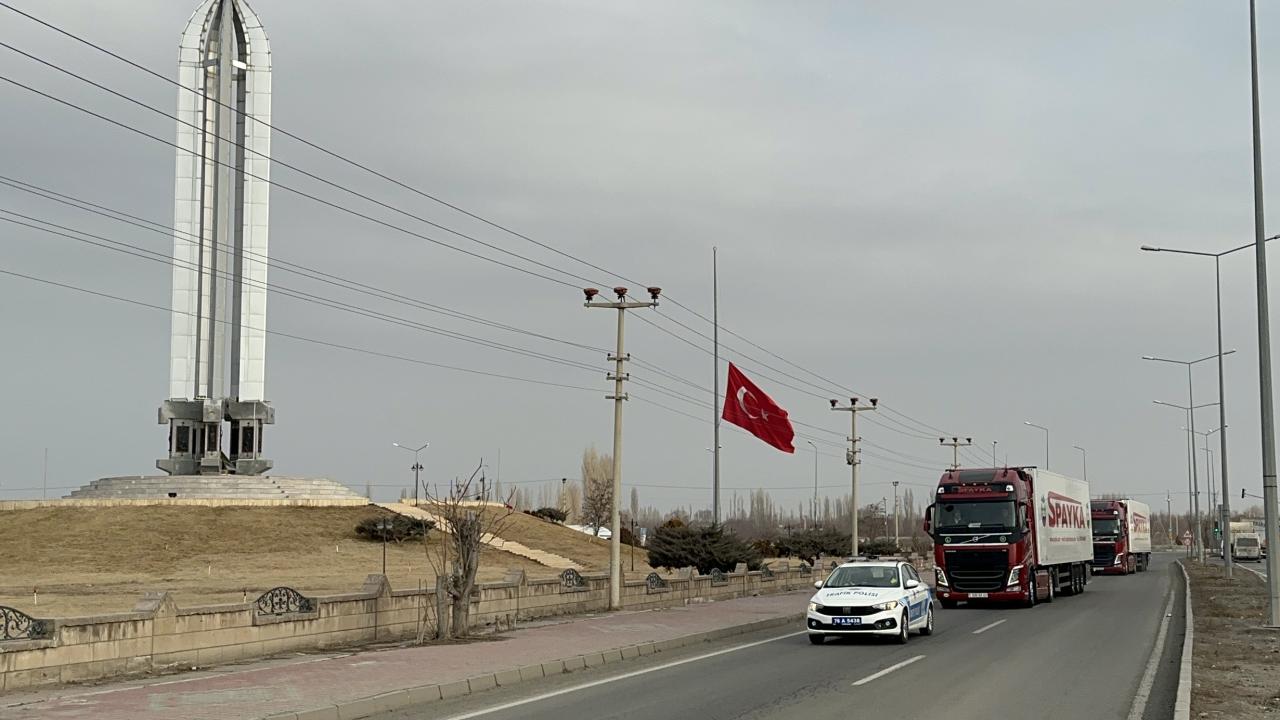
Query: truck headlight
x,y
1015,574
1116,561
814,607
940,576
889,605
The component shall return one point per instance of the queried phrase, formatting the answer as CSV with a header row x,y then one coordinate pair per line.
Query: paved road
x,y
1079,657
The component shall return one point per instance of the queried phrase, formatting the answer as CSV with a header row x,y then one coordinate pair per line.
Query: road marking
x,y
1139,707
985,628
888,670
624,676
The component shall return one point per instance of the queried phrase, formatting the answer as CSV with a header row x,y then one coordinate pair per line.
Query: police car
x,y
870,597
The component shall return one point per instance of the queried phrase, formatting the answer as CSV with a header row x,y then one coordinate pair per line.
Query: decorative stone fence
x,y
158,636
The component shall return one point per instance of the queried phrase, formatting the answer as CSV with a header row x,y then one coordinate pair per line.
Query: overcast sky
x,y
939,204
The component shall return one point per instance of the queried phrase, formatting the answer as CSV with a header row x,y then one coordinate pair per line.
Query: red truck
x,y
1009,534
1121,536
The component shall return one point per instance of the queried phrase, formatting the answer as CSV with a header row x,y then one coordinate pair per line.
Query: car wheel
x,y
904,629
927,629
816,639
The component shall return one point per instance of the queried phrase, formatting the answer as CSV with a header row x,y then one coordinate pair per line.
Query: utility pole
x,y
622,305
895,514
1084,462
564,501
852,458
993,455
44,477
715,420
955,446
1271,512
1168,509
815,481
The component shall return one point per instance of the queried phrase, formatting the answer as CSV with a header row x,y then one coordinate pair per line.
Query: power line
x,y
426,195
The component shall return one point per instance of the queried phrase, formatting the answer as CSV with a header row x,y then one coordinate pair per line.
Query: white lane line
x,y
888,670
1139,707
985,628
615,678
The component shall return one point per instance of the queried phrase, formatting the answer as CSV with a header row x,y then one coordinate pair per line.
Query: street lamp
x,y
1084,462
1191,421
1222,409
417,466
1193,487
1046,440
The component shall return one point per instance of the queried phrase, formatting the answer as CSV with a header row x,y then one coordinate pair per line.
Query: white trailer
x,y
1139,522
1064,524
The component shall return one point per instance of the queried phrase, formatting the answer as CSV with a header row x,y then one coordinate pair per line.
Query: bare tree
x,y
469,517
573,503
597,489
635,504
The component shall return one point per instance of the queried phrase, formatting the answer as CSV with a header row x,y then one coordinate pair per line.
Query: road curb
x,y
1182,705
410,697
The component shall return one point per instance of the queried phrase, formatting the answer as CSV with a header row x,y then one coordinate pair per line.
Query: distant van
x,y
1246,546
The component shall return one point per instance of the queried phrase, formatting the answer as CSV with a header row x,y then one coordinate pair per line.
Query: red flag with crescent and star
x,y
748,407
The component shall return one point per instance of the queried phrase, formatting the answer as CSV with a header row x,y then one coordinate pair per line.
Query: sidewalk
x,y
256,690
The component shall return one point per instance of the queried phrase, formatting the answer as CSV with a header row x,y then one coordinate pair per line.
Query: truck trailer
x,y
1121,536
1009,534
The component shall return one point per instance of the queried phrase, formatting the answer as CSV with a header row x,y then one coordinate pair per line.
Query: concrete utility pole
x,y
1269,503
1084,462
622,305
852,458
417,466
815,481
993,454
955,446
1046,440
895,514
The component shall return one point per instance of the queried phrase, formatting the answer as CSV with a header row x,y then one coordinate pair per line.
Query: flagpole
x,y
715,422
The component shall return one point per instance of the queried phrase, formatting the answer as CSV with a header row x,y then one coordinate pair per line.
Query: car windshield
x,y
1247,542
1106,527
997,516
867,576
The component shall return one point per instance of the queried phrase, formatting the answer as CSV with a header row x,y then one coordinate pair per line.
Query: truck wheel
x,y
1070,589
948,603
1053,584
904,630
1030,599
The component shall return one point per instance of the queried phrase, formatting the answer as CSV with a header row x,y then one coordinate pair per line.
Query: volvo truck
x,y
1121,537
1017,534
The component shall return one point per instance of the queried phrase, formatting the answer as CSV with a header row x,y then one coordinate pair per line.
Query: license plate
x,y
977,595
847,621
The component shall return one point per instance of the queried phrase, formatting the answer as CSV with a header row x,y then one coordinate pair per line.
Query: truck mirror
x,y
928,519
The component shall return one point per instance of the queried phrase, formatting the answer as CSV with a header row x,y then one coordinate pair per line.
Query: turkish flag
x,y
748,407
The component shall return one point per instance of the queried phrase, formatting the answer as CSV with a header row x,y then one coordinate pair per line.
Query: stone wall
x,y
201,502
159,636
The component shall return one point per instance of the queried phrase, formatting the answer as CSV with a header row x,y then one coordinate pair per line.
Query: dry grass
x,y
1236,664
99,560
589,552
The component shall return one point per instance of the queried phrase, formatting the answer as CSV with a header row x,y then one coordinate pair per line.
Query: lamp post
x,y
1191,422
622,305
1084,462
1046,440
1224,519
1193,489
417,466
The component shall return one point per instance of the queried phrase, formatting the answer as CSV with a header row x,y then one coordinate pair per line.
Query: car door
x,y
917,597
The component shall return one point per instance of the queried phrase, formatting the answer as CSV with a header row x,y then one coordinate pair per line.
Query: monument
x,y
217,357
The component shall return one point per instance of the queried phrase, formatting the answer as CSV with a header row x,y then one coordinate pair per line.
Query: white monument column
x,y
217,363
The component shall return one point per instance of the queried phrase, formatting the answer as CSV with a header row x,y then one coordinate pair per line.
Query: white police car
x,y
870,597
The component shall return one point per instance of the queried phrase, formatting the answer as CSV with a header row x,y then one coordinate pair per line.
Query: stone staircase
x,y
541,557
241,487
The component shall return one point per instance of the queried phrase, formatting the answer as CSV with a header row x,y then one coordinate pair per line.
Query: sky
x,y
936,204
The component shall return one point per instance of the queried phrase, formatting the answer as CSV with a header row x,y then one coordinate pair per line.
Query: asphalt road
x,y
1078,657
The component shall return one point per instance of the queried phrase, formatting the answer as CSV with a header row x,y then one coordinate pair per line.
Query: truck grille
x,y
1104,555
842,611
977,570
